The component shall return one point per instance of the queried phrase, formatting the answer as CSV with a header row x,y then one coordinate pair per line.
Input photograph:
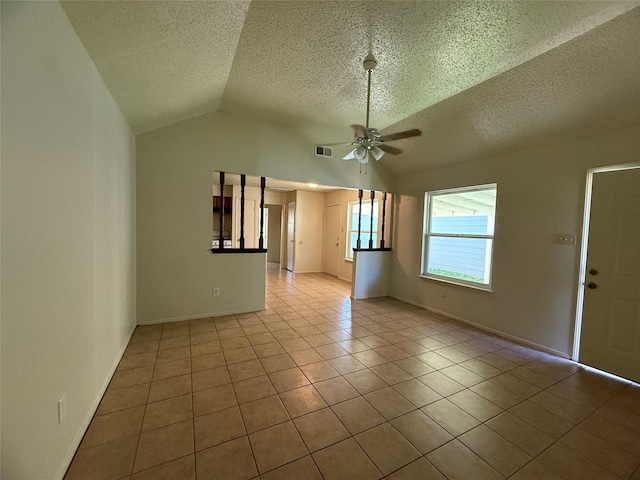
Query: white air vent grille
x,y
324,151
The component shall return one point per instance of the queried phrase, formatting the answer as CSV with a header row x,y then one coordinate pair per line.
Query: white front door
x,y
610,330
291,212
331,239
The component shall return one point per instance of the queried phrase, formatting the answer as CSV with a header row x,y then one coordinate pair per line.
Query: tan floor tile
x,y
305,356
210,378
218,427
205,348
302,469
365,381
231,332
413,366
336,390
244,370
392,353
618,435
515,385
104,461
476,405
263,413
128,378
373,341
208,361
142,336
357,415
320,429
391,373
286,334
292,344
174,342
535,470
532,377
172,354
520,433
411,347
142,347
449,416
369,358
498,395
289,379
234,343
462,375
561,407
571,465
425,434
172,369
417,392
453,354
213,399
421,469
277,445
434,360
613,458
345,460
346,364
440,383
136,361
481,368
169,388
330,351
255,329
458,462
123,398
354,346
268,349
388,449
183,468
113,426
498,452
166,412
175,329
253,389
303,400
542,419
239,355
317,372
164,444
204,337
277,362
389,403
230,460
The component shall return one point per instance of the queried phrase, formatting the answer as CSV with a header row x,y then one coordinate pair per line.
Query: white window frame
x,y
428,196
364,229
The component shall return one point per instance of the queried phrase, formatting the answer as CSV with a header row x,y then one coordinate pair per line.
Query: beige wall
x,y
176,270
540,194
68,239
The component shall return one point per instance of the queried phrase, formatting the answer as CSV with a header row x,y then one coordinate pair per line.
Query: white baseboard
x,y
479,326
92,411
193,317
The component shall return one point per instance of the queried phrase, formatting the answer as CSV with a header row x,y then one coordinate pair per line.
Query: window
x,y
458,235
365,225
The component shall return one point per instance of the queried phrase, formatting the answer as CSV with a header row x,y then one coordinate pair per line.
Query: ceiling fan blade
x,y
400,135
359,131
390,149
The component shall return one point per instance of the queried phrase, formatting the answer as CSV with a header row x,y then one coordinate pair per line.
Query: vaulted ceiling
x,y
476,77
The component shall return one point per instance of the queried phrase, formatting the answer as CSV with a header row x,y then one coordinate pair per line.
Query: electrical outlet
x,y
216,292
565,239
62,408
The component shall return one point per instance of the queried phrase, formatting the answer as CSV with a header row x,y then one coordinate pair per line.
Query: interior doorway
x,y
291,218
331,241
273,222
607,333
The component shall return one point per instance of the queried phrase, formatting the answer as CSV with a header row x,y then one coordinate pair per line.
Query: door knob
x,y
592,285
593,271
337,244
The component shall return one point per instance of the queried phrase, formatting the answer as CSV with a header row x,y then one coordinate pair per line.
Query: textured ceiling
x,y
488,74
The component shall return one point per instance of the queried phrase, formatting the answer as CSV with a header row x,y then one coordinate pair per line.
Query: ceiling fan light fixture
x,y
361,154
377,153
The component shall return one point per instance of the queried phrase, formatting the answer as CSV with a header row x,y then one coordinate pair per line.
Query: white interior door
x,y
331,239
610,329
291,212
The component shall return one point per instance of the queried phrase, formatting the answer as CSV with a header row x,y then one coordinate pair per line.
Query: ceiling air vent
x,y
324,151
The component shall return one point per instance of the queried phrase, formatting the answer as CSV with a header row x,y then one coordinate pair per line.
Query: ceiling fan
x,y
367,140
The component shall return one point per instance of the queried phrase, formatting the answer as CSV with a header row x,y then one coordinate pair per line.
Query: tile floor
x,y
321,387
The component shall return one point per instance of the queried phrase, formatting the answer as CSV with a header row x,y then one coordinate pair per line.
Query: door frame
x,y
584,245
